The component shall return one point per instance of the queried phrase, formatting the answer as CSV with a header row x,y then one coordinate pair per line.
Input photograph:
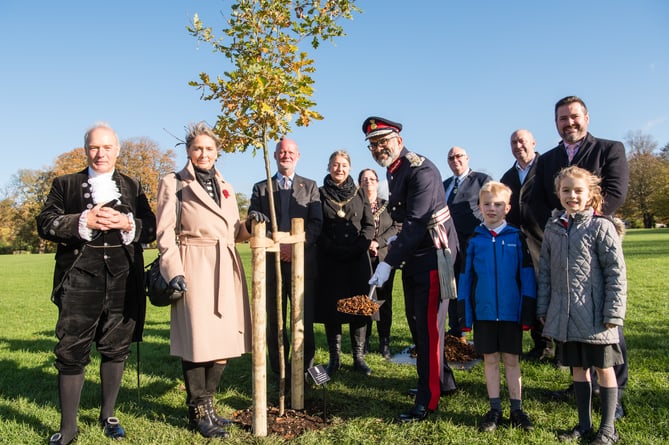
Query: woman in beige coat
x,y
212,322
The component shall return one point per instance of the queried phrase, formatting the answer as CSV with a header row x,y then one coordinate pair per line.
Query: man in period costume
x,y
99,217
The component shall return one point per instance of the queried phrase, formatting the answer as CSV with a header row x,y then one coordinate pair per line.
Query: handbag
x,y
158,290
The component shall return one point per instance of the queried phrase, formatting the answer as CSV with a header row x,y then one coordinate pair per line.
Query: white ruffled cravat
x,y
103,188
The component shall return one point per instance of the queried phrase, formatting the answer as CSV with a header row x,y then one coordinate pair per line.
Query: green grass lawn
x,y
361,408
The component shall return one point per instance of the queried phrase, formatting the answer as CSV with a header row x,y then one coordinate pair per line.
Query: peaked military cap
x,y
375,126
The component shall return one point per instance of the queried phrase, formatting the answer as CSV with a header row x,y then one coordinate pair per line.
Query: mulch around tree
x,y
296,422
289,426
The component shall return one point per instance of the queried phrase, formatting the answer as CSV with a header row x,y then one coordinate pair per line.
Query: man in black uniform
x,y
99,218
424,248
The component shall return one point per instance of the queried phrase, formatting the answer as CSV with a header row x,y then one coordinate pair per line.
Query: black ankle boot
x,y
200,419
384,347
358,346
218,420
334,345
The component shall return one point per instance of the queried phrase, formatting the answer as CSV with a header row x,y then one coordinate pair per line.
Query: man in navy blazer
x,y
294,197
462,195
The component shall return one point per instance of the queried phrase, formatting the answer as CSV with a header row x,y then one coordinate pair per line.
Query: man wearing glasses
x,y
426,240
462,195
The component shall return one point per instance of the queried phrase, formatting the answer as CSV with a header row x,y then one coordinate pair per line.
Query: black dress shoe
x,y
57,439
417,413
112,428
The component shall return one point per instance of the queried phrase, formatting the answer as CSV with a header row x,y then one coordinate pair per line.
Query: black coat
x,y
59,222
521,214
416,193
343,259
602,157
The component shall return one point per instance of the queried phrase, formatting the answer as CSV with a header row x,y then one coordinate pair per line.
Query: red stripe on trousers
x,y
435,355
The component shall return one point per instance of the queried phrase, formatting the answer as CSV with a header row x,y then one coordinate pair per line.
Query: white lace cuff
x,y
129,237
84,232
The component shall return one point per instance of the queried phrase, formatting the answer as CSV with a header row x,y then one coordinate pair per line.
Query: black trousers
x,y
94,308
422,299
272,319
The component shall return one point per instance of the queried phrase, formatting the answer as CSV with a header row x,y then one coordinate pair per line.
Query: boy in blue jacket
x,y
497,297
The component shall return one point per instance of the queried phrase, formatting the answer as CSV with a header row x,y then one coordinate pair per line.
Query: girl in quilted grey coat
x,y
582,296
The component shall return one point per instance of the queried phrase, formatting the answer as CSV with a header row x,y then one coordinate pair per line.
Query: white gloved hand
x,y
391,240
381,274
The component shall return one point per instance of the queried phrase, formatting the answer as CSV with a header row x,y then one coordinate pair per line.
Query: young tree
x,y
268,83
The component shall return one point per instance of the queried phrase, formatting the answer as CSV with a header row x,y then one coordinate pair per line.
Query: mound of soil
x,y
290,425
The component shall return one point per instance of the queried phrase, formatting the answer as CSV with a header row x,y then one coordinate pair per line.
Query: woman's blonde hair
x,y
596,199
343,153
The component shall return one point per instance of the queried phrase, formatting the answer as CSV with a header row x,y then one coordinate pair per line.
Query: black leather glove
x,y
256,216
178,283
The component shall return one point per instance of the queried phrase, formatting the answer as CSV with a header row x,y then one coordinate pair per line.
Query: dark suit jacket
x,y
59,222
305,203
602,157
521,214
464,208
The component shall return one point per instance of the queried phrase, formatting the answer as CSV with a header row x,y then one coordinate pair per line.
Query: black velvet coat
x,y
59,222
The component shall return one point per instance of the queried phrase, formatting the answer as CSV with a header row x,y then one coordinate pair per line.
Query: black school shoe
x,y
605,439
520,419
491,421
575,434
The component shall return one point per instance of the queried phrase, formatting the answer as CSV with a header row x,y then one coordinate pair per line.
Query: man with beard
x,y
424,248
601,157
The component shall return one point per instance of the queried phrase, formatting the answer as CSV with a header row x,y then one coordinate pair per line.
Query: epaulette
x,y
414,159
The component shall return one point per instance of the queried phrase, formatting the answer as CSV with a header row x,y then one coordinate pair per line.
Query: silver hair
x,y
201,128
99,124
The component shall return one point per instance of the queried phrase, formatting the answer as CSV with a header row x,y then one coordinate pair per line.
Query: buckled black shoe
x,y
491,421
417,413
112,428
575,434
57,439
605,439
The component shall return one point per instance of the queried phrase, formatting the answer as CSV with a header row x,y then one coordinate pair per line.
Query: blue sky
x,y
453,73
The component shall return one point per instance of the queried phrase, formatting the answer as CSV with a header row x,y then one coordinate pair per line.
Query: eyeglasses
x,y
457,156
381,142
